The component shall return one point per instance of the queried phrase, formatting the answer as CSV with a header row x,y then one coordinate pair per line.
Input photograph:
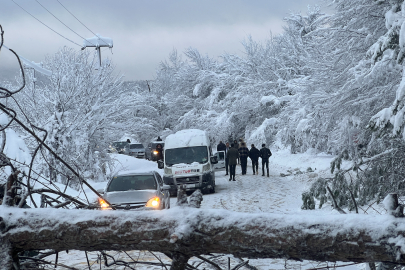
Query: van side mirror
x,y
214,159
161,165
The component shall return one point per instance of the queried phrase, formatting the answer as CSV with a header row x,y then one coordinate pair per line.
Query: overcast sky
x,y
144,32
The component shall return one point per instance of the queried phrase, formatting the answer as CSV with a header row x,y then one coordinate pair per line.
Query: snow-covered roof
x,y
186,138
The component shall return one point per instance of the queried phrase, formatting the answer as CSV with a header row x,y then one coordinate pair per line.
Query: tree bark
x,y
179,261
6,258
191,232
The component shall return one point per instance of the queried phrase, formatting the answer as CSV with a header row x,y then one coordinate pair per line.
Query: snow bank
x,y
284,159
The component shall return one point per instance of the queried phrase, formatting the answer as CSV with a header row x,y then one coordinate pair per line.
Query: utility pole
x,y
34,78
97,42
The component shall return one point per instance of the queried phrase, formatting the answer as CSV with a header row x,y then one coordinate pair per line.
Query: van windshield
x,y
186,155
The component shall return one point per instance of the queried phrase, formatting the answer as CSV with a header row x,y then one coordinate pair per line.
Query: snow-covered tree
x,y
82,108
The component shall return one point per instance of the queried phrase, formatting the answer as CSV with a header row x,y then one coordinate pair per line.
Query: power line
x,y
76,17
46,25
61,21
79,21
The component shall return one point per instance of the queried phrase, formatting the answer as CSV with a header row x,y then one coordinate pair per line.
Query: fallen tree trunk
x,y
189,231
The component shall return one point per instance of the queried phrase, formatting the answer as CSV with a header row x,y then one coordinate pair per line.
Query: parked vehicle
x,y
221,160
133,190
137,150
151,153
188,161
120,147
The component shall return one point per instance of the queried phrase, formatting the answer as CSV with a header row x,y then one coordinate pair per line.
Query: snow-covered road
x,y
249,193
255,193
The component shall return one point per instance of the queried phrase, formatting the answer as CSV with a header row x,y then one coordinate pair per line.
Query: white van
x,y
188,161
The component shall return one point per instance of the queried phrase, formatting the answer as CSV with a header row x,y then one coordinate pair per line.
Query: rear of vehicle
x,y
120,147
188,162
137,150
128,191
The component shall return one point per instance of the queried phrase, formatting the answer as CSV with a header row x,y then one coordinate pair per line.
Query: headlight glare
x,y
103,204
154,202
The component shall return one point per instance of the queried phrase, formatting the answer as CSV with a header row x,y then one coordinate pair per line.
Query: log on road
x,y
190,231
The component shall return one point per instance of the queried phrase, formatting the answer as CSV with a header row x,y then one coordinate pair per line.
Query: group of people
x,y
238,153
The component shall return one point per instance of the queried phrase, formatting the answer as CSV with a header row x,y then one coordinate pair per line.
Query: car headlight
x,y
206,167
168,170
154,202
103,204
155,152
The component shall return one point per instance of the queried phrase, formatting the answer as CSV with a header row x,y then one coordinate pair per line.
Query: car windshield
x,y
120,144
136,146
132,182
186,155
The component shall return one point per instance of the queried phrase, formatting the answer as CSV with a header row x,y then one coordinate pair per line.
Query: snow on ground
x,y
249,193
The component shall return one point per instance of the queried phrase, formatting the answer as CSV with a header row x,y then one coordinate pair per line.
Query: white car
x,y
135,190
137,150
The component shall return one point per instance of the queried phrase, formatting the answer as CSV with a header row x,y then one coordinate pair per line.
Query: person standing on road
x,y
265,153
236,145
221,146
243,154
226,157
232,155
254,155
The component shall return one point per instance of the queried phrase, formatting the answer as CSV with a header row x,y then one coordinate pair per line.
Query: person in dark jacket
x,y
265,153
226,158
236,145
159,149
221,146
232,155
254,155
243,154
